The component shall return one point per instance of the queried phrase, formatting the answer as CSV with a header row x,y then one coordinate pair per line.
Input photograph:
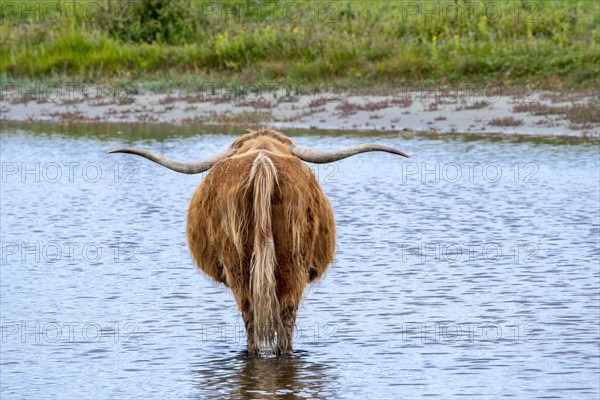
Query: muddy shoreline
x,y
541,114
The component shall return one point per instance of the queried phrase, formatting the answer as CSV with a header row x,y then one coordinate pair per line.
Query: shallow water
x,y
483,285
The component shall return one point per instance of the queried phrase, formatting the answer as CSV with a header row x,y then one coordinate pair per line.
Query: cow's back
x,y
220,227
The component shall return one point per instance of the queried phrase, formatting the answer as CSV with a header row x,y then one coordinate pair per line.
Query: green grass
x,y
352,43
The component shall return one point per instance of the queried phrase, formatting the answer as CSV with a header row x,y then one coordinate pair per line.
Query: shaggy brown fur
x,y
260,224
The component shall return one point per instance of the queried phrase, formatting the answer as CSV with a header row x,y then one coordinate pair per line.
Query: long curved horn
x,y
322,157
192,167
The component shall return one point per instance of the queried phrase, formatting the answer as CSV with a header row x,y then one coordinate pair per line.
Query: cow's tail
x,y
267,321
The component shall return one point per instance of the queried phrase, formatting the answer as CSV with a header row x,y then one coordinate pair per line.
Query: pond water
x,y
470,270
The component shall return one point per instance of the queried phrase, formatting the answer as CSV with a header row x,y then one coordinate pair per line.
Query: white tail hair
x,y
267,321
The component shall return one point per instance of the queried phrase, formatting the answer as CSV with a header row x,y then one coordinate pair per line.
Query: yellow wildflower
x,y
296,29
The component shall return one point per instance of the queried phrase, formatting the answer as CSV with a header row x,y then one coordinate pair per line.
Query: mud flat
x,y
545,113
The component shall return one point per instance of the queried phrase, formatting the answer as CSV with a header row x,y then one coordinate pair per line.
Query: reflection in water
x,y
247,376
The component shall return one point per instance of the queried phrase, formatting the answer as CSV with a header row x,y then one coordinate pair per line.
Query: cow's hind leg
x,y
248,317
288,320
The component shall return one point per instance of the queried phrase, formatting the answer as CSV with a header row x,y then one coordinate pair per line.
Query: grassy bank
x,y
353,43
